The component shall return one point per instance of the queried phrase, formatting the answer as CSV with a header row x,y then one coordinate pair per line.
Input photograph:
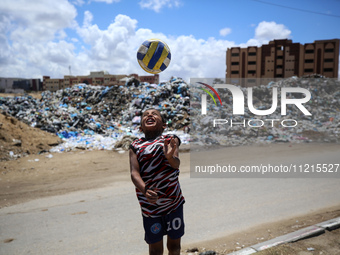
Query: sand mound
x,y
18,139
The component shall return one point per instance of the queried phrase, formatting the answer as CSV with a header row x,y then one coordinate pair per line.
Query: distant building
x,y
19,85
281,59
52,84
95,78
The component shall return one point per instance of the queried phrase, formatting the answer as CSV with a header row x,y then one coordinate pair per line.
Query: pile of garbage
x,y
107,118
322,126
98,117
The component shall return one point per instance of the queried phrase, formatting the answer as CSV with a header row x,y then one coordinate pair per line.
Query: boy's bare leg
x,y
174,246
156,248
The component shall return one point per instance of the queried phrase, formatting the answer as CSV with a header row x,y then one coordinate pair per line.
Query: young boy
x,y
154,164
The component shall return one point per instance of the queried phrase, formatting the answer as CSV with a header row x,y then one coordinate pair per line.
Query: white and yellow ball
x,y
154,56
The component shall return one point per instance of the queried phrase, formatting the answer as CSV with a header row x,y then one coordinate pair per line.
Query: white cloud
x,y
115,48
267,31
4,44
78,2
192,58
106,1
38,20
88,17
32,37
33,45
225,31
106,45
157,5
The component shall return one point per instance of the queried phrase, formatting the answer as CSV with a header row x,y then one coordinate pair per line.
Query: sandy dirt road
x,y
84,203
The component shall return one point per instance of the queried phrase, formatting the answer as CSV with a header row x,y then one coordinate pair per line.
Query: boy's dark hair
x,y
162,115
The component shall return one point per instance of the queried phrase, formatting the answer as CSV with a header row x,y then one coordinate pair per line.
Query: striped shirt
x,y
158,175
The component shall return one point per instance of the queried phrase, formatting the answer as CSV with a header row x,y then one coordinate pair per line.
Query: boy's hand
x,y
169,148
151,196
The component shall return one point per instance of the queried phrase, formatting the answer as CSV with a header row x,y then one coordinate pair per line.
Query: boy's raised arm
x,y
171,152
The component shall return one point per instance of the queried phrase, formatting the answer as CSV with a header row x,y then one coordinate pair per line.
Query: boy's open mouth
x,y
150,121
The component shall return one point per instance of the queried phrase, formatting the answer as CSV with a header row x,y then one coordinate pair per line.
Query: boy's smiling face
x,y
152,121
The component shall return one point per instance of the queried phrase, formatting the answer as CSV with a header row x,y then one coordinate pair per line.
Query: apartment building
x,y
281,59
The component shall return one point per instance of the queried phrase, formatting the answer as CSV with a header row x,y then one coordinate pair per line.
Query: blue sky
x,y
45,37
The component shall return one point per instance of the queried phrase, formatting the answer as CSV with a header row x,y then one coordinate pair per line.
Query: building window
x,y
251,72
251,63
279,66
329,50
309,61
308,70
328,70
279,76
309,51
234,72
329,60
235,63
251,80
279,57
251,53
234,54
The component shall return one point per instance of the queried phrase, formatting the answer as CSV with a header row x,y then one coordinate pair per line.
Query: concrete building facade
x,y
281,59
101,78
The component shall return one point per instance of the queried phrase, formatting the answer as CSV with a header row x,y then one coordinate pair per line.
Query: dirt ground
x,y
34,175
19,139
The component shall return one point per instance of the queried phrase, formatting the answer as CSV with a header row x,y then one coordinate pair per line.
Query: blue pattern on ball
x,y
153,56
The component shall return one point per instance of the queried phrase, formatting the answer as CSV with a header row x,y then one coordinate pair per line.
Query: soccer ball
x,y
154,56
